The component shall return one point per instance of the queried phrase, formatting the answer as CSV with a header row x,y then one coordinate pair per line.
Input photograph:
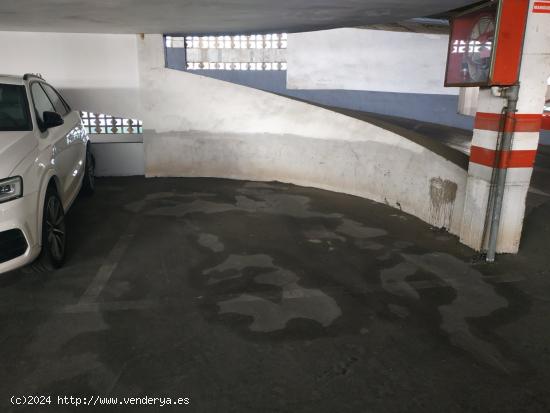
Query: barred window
x,y
236,66
252,41
239,52
99,123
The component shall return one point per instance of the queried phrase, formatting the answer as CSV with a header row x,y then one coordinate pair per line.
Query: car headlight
x,y
11,188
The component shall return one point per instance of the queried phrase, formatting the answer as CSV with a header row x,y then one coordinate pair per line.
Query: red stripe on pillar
x,y
519,122
508,159
541,7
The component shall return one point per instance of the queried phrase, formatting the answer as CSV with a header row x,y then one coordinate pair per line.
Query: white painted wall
x,y
95,72
204,127
236,55
467,100
373,60
198,126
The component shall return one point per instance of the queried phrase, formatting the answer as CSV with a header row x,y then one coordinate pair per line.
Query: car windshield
x,y
14,109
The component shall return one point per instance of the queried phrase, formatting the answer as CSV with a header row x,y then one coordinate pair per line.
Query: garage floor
x,y
260,297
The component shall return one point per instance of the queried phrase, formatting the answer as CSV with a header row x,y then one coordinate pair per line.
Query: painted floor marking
x,y
109,266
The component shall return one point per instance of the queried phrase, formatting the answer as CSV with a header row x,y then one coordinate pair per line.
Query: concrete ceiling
x,y
209,16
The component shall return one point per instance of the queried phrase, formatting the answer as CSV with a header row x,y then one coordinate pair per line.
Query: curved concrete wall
x,y
385,72
196,126
433,108
205,127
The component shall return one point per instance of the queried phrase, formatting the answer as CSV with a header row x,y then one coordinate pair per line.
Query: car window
x,y
41,102
57,101
14,109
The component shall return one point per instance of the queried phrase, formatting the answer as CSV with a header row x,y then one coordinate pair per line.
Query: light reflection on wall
x,y
473,46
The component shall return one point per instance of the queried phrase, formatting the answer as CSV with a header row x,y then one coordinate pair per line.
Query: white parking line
x,y
109,266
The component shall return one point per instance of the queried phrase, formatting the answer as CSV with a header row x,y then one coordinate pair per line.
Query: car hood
x,y
14,147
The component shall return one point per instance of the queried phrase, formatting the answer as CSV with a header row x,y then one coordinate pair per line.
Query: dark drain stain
x,y
442,198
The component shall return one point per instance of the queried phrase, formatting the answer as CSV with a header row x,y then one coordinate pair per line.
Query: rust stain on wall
x,y
442,198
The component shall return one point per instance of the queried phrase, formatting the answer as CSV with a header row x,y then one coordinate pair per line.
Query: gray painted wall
x,y
440,109
119,159
118,155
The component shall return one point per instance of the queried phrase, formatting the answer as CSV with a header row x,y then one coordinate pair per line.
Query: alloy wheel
x,y
90,170
55,227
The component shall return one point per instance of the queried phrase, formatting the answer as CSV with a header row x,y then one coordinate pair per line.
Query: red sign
x,y
471,47
486,44
542,6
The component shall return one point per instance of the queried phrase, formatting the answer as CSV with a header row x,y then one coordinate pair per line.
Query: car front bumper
x,y
19,234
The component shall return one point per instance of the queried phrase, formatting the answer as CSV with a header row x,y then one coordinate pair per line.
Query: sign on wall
x,y
486,43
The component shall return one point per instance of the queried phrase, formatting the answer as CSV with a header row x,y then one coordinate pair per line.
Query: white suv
x,y
44,162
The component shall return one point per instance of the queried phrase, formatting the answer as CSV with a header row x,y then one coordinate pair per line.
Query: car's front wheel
x,y
54,235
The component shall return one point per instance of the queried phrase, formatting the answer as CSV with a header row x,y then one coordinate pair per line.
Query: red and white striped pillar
x,y
526,123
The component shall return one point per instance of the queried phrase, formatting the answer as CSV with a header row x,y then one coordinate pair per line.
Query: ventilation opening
x,y
99,124
240,52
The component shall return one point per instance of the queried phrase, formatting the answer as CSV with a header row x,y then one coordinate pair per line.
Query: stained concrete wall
x,y
197,126
200,126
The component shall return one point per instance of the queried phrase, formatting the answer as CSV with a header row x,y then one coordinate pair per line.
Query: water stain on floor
x,y
474,298
356,230
210,241
394,280
252,199
233,266
296,302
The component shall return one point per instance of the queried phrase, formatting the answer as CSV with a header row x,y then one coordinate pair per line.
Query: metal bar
x,y
511,94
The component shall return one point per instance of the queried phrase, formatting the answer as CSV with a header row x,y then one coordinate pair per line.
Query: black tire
x,y
88,181
54,235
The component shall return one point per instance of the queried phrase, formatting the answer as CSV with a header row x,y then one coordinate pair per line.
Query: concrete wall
x,y
374,60
391,73
469,98
203,127
236,55
199,126
118,155
95,72
435,108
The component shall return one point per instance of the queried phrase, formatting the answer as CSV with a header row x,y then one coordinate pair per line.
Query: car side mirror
x,y
52,119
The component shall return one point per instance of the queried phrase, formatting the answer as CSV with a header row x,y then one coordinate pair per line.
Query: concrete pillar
x,y
467,100
535,69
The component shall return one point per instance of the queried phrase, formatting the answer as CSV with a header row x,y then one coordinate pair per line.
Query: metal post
x,y
511,94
